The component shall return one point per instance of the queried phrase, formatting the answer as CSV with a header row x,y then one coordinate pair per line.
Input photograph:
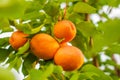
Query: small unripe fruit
x,y
18,39
65,30
69,57
44,46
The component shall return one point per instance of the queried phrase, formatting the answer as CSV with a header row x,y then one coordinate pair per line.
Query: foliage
x,y
36,16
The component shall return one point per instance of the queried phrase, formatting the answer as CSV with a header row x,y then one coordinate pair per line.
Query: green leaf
x,y
37,15
115,77
57,69
4,53
75,76
12,9
36,30
75,18
15,63
36,75
82,7
97,46
4,42
26,28
6,74
4,25
57,73
110,62
91,68
11,57
113,3
41,75
33,6
80,41
87,28
28,63
69,74
18,64
115,48
29,16
87,76
24,48
98,43
52,8
110,31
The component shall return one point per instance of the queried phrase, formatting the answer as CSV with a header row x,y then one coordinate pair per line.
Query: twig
x,y
85,0
87,18
91,42
117,70
65,10
95,61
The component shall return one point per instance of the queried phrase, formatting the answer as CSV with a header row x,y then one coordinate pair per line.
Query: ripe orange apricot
x,y
44,46
65,30
18,39
69,57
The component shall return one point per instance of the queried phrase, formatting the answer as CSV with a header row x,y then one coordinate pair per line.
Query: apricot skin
x,y
65,30
44,46
69,57
18,39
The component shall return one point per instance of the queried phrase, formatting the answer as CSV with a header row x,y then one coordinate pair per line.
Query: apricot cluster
x,y
69,57
46,47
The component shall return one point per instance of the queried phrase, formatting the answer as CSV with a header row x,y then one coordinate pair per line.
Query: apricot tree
x,y
59,40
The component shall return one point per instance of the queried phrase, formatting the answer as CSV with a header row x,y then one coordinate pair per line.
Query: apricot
x,y
69,57
65,30
44,46
18,39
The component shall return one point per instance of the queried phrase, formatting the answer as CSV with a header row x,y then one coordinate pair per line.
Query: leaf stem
x,y
63,78
54,77
35,63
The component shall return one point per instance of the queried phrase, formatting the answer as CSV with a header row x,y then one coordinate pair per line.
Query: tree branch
x,y
117,70
87,18
95,61
65,10
85,0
